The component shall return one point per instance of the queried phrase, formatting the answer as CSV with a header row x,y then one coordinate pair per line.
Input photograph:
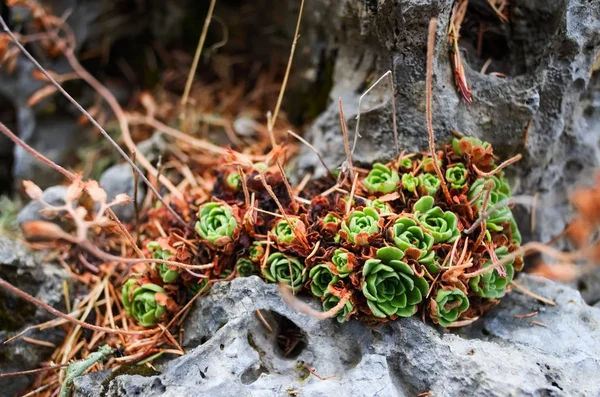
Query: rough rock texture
x,y
546,52
499,356
119,179
29,272
49,127
54,195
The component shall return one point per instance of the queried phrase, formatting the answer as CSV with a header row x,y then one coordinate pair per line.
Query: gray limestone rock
x,y
54,195
119,179
233,353
29,272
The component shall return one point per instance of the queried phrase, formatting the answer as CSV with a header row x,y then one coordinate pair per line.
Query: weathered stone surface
x,y
547,53
29,272
54,195
119,179
498,356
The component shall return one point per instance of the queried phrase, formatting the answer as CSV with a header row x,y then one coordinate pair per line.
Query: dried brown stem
x,y
311,147
429,94
304,308
346,143
505,164
190,79
51,310
533,295
273,119
10,135
33,371
113,103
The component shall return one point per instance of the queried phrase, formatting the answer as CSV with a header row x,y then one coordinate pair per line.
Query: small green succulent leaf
x,y
382,207
167,274
331,218
499,195
390,285
233,180
430,183
140,302
321,278
283,231
256,251
442,225
492,284
408,235
216,223
409,182
342,260
284,269
361,223
245,267
406,163
450,304
381,179
457,176
331,301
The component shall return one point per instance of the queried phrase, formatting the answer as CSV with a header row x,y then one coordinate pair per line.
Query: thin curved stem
x,y
113,103
6,285
429,94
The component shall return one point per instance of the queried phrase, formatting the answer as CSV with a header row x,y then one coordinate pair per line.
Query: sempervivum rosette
x,y
284,269
256,251
481,153
457,176
429,184
409,182
140,302
391,286
216,223
331,301
448,306
360,225
321,278
167,274
283,231
381,179
244,267
500,193
492,284
442,225
343,261
412,240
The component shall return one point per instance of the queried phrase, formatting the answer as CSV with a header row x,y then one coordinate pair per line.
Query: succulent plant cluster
x,y
403,243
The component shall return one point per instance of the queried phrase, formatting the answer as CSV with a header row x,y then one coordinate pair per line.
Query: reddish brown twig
x,y
51,310
429,95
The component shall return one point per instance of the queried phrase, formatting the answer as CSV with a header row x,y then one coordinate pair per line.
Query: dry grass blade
x,y
533,295
10,135
311,147
346,142
190,79
395,126
32,371
273,119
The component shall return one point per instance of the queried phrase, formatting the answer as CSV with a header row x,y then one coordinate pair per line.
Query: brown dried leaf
x,y
32,190
95,191
44,230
